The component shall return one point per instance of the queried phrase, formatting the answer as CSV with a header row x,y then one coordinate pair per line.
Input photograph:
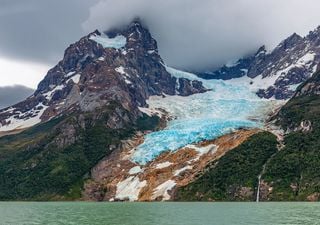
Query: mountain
x,y
79,82
264,168
292,62
112,122
81,111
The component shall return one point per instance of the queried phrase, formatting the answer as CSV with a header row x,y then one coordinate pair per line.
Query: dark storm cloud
x,y
13,94
191,33
40,30
203,33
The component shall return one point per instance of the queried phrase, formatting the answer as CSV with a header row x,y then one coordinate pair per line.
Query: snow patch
x,y
203,150
307,58
70,73
135,170
163,165
181,74
130,188
49,94
151,51
162,190
293,87
8,110
151,112
120,70
179,171
245,71
76,78
254,84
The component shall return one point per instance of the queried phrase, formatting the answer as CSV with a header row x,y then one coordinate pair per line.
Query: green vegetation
x,y
238,168
294,171
299,109
34,165
148,123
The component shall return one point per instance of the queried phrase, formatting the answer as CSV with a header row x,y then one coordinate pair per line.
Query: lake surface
x,y
77,213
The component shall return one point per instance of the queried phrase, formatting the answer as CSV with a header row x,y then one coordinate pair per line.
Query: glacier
x,y
229,105
117,42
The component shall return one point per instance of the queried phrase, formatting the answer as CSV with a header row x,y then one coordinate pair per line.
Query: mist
x,y
13,94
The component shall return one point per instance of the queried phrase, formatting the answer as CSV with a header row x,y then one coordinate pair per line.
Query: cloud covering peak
x,y
191,34
203,34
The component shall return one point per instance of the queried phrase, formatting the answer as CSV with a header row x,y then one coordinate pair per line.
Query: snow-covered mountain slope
x,y
120,65
292,62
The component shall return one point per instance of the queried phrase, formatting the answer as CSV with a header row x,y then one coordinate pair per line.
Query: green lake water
x,y
77,213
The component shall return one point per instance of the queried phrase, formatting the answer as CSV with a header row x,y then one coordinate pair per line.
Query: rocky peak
x,y
121,65
137,36
313,35
280,71
310,87
290,42
261,51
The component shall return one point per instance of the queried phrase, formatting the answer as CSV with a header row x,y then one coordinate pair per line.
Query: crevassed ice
x,y
116,42
228,106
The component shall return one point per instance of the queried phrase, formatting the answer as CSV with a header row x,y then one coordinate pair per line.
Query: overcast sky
x,y
191,34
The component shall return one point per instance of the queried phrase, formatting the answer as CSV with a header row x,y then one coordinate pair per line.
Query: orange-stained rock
x,y
164,174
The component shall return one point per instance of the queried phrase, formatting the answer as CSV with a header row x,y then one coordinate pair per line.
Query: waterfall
x,y
279,146
258,189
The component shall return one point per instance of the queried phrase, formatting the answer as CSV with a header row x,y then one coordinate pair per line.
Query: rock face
x,y
309,88
120,65
292,62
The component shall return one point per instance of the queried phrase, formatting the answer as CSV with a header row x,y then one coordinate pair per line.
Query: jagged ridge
x,y
292,62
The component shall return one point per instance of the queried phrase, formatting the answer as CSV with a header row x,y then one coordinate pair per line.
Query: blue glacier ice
x,y
228,106
116,42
